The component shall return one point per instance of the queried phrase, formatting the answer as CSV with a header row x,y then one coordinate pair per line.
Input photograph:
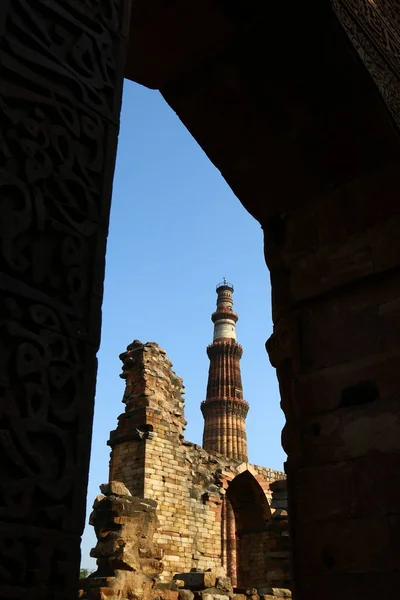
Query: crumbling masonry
x,y
303,127
214,508
129,562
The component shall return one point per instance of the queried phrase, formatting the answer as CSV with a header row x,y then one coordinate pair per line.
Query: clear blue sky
x,y
176,230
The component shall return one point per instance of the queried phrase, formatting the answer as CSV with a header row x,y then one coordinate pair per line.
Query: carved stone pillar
x,y
336,348
60,94
373,28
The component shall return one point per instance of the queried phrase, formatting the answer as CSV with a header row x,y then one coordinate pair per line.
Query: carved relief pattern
x,y
60,90
374,29
49,562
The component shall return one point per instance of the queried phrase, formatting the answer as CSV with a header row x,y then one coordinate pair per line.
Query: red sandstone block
x,y
331,266
352,432
301,231
324,493
363,210
328,234
322,390
329,217
377,481
345,586
394,526
338,331
352,546
386,245
389,319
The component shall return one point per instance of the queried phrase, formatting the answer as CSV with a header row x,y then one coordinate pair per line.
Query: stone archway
x,y
289,114
251,513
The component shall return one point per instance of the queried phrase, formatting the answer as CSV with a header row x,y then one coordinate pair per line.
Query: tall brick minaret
x,y
224,408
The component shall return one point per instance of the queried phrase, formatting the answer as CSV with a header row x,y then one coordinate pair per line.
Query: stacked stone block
x,y
213,584
151,457
128,561
278,547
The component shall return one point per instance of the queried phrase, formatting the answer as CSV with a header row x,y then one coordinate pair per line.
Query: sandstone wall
x,y
151,457
128,561
253,560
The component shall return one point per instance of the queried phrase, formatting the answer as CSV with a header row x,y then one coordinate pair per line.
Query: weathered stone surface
x,y
188,483
197,581
352,432
323,123
379,494
219,570
267,593
128,562
114,488
60,100
166,594
340,545
322,390
224,583
98,499
366,586
213,595
186,595
334,493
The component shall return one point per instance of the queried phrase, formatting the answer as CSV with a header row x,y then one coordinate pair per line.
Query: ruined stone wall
x,y
151,457
128,561
253,559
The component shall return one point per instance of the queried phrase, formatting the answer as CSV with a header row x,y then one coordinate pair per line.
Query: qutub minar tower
x,y
225,410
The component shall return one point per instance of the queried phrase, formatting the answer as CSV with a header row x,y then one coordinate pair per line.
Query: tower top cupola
x,y
224,318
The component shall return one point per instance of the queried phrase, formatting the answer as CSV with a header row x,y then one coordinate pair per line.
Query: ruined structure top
x,y
224,409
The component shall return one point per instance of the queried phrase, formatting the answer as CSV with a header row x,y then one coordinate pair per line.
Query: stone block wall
x,y
150,456
128,560
254,564
278,548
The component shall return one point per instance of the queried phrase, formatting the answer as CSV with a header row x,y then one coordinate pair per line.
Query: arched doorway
x,y
247,513
308,149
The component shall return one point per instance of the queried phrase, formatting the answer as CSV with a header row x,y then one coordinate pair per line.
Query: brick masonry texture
x,y
152,458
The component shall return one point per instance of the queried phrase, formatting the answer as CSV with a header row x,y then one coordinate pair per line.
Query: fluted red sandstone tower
x,y
224,409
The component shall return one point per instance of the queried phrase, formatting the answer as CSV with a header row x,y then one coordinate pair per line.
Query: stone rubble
x,y
129,561
188,483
